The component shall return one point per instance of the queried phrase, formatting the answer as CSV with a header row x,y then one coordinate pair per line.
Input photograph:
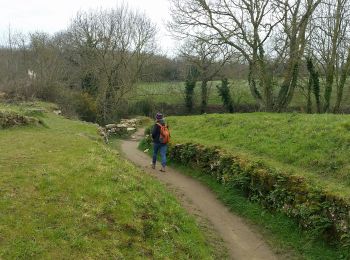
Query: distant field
x,y
66,195
173,93
317,146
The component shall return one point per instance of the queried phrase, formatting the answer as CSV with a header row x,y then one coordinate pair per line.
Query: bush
x,y
12,119
224,93
189,93
86,107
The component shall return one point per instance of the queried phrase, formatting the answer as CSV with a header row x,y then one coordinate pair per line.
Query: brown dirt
x,y
240,240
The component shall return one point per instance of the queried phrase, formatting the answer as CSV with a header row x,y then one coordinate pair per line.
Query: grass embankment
x,y
315,146
63,194
289,143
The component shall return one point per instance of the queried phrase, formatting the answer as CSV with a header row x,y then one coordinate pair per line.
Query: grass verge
x,y
65,195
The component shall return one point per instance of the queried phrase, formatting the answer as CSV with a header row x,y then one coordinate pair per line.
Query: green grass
x,y
173,92
316,146
65,195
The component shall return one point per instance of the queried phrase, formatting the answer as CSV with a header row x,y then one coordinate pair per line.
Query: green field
x,y
173,93
316,146
65,195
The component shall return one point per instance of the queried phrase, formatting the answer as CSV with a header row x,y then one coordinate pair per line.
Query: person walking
x,y
160,136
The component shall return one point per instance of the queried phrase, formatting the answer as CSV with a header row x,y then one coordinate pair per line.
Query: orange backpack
x,y
164,137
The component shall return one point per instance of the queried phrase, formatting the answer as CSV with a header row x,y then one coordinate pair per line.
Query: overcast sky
x,y
55,15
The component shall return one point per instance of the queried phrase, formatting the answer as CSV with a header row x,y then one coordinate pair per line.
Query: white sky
x,y
55,15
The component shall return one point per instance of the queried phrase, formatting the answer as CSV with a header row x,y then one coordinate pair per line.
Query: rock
x,y
128,121
110,126
123,128
122,125
58,112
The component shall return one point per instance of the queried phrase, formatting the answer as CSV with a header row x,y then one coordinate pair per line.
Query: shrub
x,y
189,93
224,93
86,107
12,119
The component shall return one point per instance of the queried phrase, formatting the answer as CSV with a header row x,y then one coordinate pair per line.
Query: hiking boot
x,y
153,166
162,169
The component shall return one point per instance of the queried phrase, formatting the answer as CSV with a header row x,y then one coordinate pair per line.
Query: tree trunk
x,y
328,87
252,85
296,52
316,90
331,61
340,87
309,102
204,96
286,92
265,80
189,93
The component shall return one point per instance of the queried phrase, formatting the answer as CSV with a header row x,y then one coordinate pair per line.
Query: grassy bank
x,y
66,195
315,146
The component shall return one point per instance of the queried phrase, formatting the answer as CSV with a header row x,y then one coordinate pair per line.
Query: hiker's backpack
x,y
164,137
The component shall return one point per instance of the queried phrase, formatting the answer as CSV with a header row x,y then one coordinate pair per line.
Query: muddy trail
x,y
240,240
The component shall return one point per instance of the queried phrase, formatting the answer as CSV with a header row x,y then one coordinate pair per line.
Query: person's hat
x,y
159,116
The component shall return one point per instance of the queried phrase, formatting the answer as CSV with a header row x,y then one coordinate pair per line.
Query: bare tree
x,y
344,72
330,45
250,27
13,62
47,64
113,45
296,17
241,24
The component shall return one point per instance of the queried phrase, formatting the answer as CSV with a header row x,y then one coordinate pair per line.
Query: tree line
x,y
95,64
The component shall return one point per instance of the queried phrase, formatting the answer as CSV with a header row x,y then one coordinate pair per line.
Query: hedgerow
x,y
321,212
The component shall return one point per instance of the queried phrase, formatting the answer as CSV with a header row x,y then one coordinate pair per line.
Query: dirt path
x,y
239,239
